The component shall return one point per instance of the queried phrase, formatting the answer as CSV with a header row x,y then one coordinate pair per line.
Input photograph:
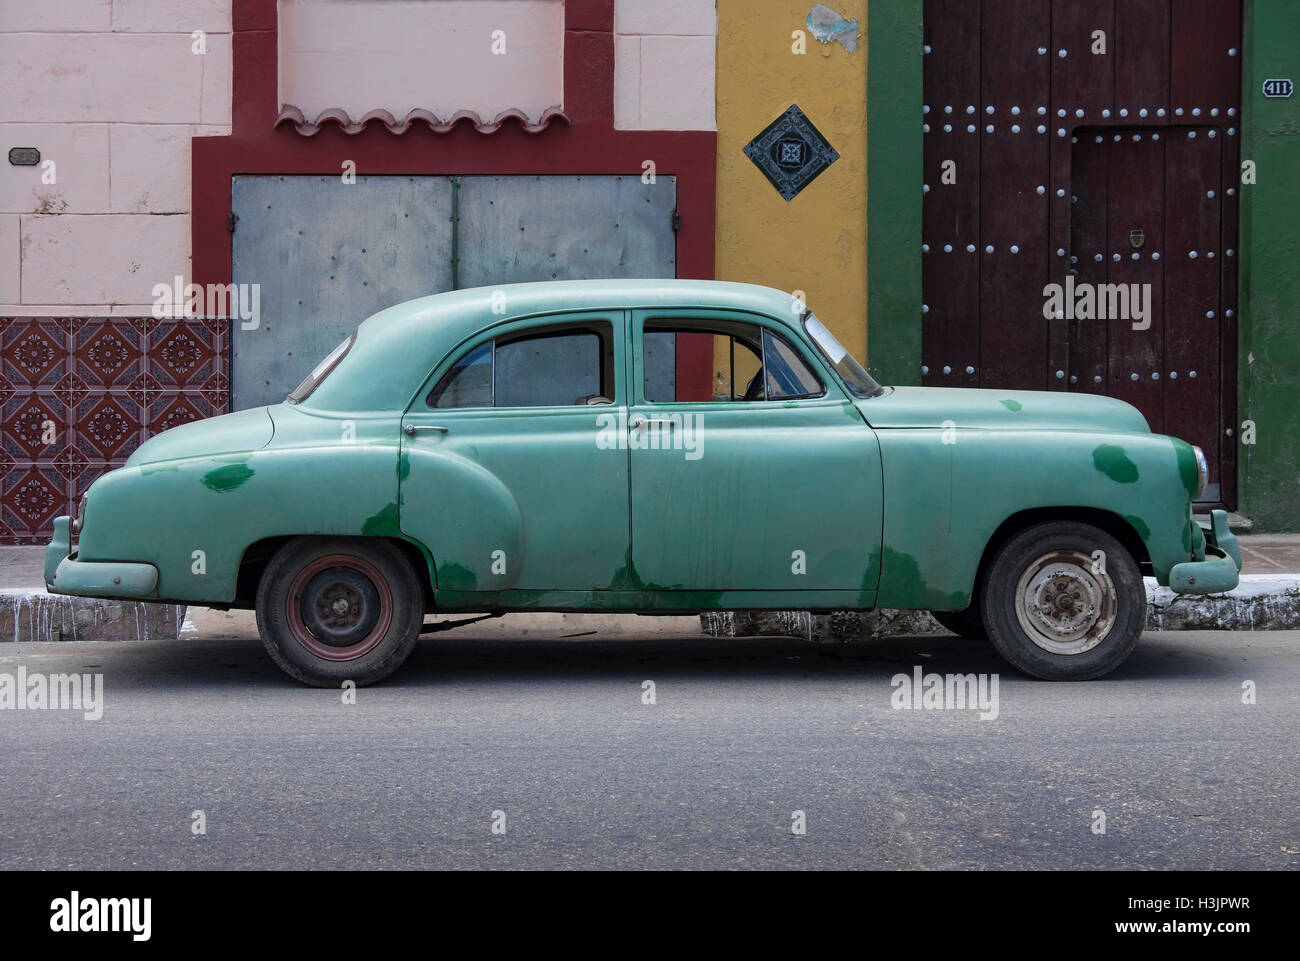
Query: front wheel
x,y
1064,601
332,610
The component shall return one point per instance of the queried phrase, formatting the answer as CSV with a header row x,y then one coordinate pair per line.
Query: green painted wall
x,y
894,161
1269,331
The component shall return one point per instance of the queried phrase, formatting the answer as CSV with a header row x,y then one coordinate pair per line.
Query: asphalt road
x,y
553,732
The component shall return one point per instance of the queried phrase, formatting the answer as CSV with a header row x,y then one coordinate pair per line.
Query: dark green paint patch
x,y
1139,525
403,466
382,524
870,581
902,586
456,577
626,577
223,479
1111,460
1186,465
1013,405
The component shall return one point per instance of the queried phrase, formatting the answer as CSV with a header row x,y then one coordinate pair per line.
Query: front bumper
x,y
1220,571
64,574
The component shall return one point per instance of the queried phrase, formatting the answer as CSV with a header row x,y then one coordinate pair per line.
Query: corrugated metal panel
x,y
516,229
327,255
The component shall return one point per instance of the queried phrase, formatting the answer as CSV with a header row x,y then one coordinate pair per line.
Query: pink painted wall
x,y
400,55
110,93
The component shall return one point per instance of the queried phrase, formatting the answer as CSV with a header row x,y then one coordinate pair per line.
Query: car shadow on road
x,y
450,658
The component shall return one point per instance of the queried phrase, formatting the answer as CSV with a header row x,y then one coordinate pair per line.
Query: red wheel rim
x,y
339,607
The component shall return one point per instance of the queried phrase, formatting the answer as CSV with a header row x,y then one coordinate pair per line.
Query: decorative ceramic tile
x,y
108,426
791,152
173,410
33,354
78,395
181,353
107,354
32,497
35,426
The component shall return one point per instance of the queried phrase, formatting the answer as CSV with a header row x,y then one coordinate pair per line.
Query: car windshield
x,y
321,371
853,374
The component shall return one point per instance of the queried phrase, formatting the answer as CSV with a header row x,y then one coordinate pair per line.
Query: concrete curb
x,y
1261,602
32,614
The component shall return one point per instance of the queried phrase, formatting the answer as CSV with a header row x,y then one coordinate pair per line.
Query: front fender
x,y
938,521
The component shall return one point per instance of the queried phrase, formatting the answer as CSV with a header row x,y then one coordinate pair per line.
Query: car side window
x,y
468,383
788,376
749,363
551,368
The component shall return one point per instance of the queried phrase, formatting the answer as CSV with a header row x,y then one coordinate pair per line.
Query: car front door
x,y
503,473
771,484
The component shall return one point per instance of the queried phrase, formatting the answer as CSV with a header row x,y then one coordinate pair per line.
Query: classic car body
x,y
838,498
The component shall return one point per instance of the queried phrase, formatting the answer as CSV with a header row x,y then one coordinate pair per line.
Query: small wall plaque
x,y
24,156
1282,87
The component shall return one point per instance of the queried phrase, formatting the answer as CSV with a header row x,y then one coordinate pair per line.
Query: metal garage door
x,y
328,254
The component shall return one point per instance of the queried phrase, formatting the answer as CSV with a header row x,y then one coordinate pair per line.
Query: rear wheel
x,y
1064,601
337,609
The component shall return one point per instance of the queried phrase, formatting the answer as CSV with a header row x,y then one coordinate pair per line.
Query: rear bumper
x,y
1221,569
64,574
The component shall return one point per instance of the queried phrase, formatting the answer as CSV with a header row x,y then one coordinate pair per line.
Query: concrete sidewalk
x,y
29,613
1267,599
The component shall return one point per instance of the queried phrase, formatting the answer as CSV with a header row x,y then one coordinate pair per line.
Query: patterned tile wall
x,y
78,395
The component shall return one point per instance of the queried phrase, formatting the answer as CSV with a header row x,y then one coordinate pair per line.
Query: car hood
x,y
913,407
246,430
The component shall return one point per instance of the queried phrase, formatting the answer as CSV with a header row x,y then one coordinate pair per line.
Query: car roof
x,y
396,348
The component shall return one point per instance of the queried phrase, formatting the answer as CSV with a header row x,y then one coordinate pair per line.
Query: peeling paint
x,y
1013,405
830,26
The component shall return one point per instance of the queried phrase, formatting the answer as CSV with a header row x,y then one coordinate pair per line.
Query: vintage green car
x,y
645,446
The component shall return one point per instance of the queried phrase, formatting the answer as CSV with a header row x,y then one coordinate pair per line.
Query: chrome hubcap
x,y
1065,603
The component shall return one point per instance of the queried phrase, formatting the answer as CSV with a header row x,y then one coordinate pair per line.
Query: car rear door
x,y
503,474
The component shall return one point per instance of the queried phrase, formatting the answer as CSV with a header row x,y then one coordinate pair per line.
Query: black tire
x,y
967,623
1058,611
339,609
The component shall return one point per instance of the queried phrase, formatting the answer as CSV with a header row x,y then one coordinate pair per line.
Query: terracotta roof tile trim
x,y
290,114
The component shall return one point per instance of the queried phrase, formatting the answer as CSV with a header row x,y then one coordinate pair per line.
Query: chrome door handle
x,y
413,429
637,422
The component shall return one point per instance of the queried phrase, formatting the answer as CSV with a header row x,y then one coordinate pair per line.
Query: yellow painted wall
x,y
816,242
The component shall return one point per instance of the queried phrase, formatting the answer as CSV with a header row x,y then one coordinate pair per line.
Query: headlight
x,y
1202,472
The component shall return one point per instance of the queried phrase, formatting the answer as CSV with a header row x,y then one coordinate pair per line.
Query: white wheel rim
x,y
1065,604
